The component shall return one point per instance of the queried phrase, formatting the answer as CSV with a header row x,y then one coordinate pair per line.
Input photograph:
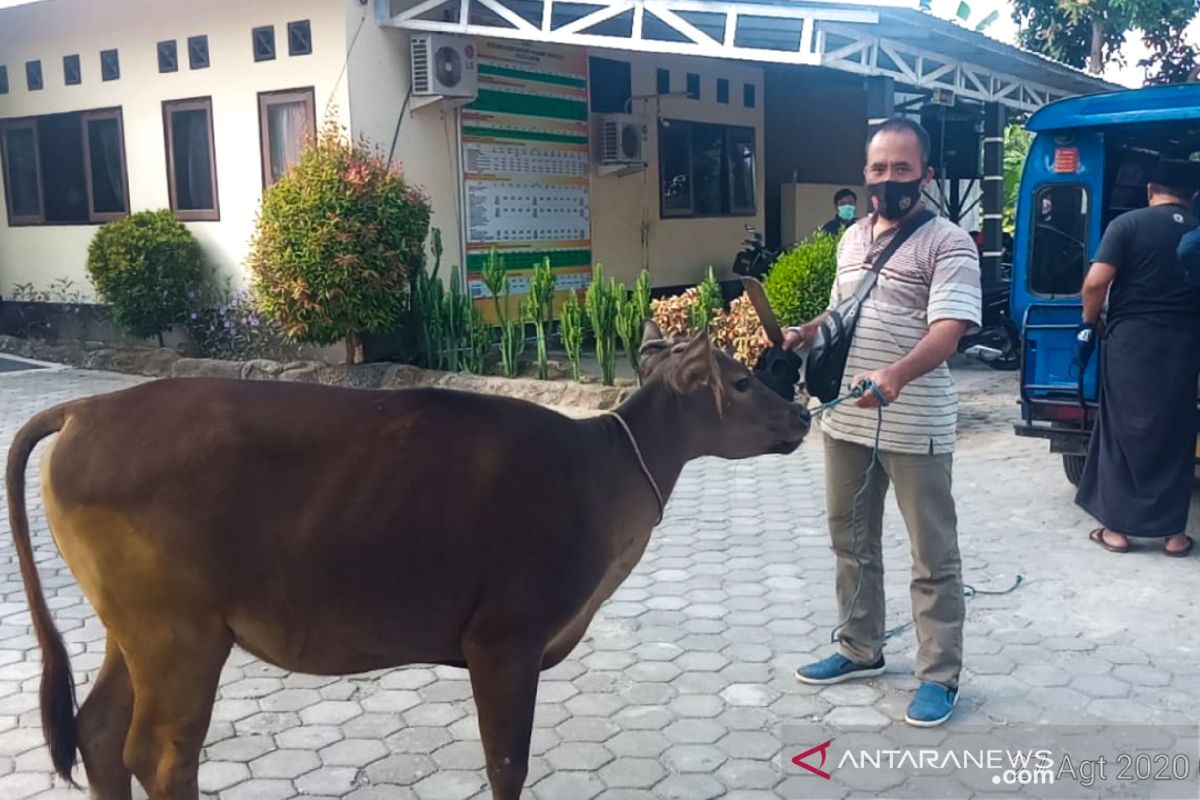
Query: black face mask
x,y
895,199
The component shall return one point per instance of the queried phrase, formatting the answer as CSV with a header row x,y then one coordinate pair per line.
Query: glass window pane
x,y
192,158
287,124
708,168
741,170
104,150
21,150
1058,259
676,170
63,149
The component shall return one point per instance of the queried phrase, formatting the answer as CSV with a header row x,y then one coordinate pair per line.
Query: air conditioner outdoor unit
x,y
443,66
622,138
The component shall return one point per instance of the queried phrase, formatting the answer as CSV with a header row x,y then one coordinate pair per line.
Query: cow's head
x,y
726,410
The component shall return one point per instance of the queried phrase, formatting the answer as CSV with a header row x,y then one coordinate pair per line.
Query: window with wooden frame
x,y
22,188
707,170
85,181
191,159
287,122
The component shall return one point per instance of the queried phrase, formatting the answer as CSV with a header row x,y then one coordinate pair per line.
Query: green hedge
x,y
799,283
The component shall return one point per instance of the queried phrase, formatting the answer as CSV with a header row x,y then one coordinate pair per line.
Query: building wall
x,y
677,251
627,229
816,129
427,144
362,71
48,31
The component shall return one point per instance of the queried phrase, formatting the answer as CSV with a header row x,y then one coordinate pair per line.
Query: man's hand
x,y
1085,344
803,336
886,380
937,346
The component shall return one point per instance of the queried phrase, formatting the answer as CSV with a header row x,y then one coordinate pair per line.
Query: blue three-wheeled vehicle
x,y
1089,162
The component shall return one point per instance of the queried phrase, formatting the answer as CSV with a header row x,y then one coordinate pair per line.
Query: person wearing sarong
x,y
1140,470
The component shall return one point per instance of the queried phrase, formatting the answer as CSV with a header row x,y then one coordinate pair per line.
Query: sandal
x,y
1182,552
1097,536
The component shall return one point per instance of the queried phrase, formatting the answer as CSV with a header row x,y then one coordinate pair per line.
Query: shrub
x,y
739,332
799,283
736,331
335,240
673,314
143,266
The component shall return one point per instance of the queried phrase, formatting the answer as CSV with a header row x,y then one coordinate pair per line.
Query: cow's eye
x,y
742,384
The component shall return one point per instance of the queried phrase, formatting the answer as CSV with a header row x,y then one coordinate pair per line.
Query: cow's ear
x,y
654,349
696,365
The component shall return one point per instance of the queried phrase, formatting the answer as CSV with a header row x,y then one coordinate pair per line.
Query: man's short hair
x,y
906,125
1181,192
844,193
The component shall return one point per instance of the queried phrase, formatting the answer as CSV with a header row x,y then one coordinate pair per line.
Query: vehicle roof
x,y
1134,106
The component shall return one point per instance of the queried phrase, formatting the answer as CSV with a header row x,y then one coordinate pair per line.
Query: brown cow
x,y
336,531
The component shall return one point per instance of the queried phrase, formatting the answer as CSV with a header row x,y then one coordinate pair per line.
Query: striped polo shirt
x,y
933,276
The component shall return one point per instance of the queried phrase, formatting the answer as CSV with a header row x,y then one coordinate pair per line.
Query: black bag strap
x,y
868,281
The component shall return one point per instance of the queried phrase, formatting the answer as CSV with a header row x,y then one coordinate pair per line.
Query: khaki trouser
x,y
922,484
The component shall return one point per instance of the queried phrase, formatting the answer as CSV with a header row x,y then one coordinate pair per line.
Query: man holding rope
x,y
926,297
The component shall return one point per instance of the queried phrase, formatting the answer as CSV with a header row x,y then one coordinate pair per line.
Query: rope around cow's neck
x,y
637,451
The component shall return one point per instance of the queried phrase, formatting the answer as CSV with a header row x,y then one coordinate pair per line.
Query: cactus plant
x,y
512,331
541,300
629,324
571,329
601,305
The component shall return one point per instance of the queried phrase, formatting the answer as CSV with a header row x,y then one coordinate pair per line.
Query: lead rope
x,y
637,451
968,590
856,392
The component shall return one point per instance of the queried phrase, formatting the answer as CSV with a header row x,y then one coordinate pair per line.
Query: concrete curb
x,y
164,363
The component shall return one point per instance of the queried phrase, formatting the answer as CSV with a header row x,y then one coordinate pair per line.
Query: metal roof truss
x,y
707,28
850,49
842,38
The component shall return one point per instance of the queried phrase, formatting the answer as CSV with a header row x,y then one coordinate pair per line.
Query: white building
x,y
747,114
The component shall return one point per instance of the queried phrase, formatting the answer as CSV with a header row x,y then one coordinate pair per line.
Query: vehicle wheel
x,y
1073,466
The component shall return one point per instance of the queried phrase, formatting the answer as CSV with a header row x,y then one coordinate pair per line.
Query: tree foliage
x,y
335,241
1090,33
1171,59
1016,150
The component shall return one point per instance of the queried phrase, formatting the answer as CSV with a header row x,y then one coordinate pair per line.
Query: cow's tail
x,y
58,686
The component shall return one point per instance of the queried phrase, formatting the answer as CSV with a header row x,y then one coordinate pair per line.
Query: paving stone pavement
x,y
684,681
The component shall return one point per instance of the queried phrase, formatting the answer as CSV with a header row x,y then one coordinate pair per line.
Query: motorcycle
x,y
997,343
755,259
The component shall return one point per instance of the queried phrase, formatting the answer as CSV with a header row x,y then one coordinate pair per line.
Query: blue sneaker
x,y
931,706
837,668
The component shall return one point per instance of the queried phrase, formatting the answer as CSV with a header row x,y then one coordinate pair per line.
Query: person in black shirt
x,y
1137,480
846,204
